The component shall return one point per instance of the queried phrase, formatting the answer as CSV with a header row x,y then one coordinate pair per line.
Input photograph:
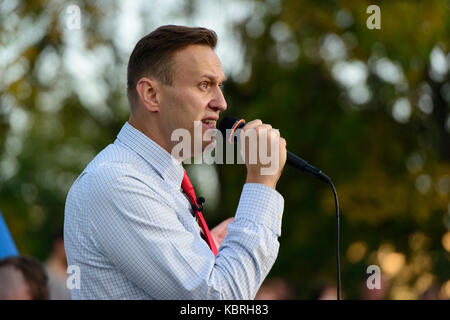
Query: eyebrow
x,y
213,78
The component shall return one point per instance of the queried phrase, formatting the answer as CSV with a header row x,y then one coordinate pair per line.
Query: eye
x,y
204,84
221,85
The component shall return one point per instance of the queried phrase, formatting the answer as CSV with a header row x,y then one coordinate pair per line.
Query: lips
x,y
210,122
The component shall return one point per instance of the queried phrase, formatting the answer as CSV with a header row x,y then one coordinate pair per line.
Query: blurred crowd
x,y
26,278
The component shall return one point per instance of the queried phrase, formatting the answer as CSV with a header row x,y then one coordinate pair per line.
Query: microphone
x,y
294,161
234,123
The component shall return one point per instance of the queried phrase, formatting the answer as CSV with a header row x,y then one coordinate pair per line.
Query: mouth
x,y
209,123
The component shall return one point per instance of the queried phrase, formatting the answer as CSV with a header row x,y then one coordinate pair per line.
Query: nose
x,y
218,102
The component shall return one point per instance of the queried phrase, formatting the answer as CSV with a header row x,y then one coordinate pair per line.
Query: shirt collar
x,y
163,162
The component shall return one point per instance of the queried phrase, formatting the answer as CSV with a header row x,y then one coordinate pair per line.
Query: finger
x,y
258,128
223,225
277,131
264,126
253,124
283,143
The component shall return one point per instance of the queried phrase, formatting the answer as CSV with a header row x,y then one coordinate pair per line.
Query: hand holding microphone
x,y
229,129
263,137
233,124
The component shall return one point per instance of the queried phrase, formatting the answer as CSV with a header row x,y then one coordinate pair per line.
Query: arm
x,y
143,237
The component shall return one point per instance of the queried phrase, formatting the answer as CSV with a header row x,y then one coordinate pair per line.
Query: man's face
x,y
195,94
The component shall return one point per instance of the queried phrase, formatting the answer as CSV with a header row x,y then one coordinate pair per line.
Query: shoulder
x,y
118,173
115,166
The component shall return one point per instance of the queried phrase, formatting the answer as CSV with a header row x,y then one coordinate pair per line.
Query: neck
x,y
156,134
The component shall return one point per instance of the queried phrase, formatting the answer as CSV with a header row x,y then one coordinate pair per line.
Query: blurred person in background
x,y
56,266
23,278
275,289
432,293
376,294
325,292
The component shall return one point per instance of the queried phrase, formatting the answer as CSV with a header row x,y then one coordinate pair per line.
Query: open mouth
x,y
209,123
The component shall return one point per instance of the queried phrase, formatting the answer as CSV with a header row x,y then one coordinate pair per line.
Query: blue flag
x,y
7,246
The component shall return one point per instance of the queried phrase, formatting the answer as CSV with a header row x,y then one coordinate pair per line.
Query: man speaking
x,y
132,225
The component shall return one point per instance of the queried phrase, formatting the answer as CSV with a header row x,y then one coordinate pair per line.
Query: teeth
x,y
209,121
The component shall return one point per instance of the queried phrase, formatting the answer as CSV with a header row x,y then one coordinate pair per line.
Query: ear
x,y
148,91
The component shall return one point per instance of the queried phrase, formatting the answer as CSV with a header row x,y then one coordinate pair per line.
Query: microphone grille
x,y
227,123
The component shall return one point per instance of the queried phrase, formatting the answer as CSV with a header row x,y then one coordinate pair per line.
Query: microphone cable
x,y
338,267
302,165
234,123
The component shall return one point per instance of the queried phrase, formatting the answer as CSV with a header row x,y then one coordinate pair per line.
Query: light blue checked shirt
x,y
129,229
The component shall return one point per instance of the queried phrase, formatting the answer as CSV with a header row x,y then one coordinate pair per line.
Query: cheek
x,y
184,107
194,106
172,111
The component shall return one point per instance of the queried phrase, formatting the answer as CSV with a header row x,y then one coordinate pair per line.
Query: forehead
x,y
196,61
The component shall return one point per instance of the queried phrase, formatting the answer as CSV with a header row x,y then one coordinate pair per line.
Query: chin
x,y
209,144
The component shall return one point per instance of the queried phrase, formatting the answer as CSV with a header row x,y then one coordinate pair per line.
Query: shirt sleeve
x,y
141,234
